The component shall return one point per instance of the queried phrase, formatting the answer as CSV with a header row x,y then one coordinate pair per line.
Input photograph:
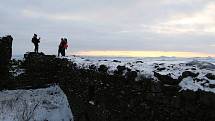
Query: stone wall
x,y
5,55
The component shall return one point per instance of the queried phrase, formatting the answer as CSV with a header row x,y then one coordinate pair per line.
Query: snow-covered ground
x,y
48,104
163,65
172,66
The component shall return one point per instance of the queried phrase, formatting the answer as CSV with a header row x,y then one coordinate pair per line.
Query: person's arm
x,y
39,40
33,40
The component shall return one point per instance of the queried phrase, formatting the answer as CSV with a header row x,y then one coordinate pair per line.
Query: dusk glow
x,y
142,54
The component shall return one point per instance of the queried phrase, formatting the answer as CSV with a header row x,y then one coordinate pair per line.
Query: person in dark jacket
x,y
36,42
62,47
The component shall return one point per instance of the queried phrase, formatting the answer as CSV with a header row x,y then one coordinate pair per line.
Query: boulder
x,y
103,68
92,67
161,69
5,55
120,70
186,74
139,61
131,75
201,64
166,79
210,76
116,61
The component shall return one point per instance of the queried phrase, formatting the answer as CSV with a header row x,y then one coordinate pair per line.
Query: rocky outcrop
x,y
210,76
166,79
187,74
118,97
201,64
5,56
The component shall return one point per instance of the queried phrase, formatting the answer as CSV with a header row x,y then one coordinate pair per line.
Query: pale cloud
x,y
200,22
54,17
182,1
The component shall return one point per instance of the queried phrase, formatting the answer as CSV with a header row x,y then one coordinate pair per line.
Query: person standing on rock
x,y
62,47
36,42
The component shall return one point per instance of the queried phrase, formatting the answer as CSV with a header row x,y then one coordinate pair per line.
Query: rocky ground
x,y
96,95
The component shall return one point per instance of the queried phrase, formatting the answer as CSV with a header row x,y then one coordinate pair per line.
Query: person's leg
x,y
63,52
37,47
59,51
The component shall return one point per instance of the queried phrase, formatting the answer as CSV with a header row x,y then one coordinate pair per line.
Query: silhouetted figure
x,y
36,43
62,47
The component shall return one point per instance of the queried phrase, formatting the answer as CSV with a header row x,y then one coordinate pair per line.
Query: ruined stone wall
x,y
5,55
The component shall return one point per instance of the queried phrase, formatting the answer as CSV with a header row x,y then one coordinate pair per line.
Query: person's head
x,y
35,35
65,40
62,39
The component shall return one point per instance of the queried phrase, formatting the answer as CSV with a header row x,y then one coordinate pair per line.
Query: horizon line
x,y
113,53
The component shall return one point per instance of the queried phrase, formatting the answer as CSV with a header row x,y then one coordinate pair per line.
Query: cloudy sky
x,y
96,27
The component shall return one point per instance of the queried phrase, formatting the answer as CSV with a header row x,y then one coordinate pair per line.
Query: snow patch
x,y
190,84
49,104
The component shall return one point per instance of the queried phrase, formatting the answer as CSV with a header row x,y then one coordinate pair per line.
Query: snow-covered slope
x,y
171,66
48,104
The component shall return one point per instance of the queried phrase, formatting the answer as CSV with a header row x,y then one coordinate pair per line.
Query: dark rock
x,y
166,79
103,68
187,74
161,69
116,61
5,55
170,89
33,55
120,70
103,60
207,99
193,68
189,97
210,76
87,59
131,75
128,69
156,66
139,61
201,64
92,67
212,85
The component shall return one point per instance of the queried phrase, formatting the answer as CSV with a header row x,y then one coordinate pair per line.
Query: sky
x,y
118,27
